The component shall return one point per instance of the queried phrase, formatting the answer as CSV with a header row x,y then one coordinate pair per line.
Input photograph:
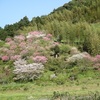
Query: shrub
x,y
24,71
39,59
74,51
64,48
60,80
5,58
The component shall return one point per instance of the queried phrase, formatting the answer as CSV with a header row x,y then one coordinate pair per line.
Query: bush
x,y
56,64
64,48
60,78
24,71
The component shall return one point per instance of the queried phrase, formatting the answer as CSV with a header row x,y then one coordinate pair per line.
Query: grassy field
x,y
28,91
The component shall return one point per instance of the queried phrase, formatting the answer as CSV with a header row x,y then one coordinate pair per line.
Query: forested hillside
x,y
53,55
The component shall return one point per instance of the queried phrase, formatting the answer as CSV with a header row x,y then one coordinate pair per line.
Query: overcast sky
x,y
12,11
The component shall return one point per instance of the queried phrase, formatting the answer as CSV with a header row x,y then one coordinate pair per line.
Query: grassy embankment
x,y
23,91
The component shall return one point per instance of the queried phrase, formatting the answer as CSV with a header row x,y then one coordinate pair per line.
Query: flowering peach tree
x,y
27,46
24,71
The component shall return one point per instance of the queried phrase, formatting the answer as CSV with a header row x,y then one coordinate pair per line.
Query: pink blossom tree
x,y
38,59
5,58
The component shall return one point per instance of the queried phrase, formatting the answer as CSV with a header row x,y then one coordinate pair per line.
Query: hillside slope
x,y
54,54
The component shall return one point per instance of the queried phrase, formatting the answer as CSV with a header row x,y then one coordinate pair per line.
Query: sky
x,y
11,11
